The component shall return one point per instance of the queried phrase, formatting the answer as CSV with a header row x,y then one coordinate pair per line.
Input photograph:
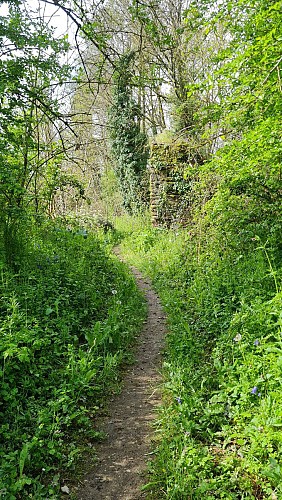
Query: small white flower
x,y
65,489
238,337
114,292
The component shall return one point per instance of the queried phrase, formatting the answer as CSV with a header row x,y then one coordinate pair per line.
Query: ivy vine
x,y
128,144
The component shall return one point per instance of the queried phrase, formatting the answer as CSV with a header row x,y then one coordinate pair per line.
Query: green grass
x,y
219,432
67,320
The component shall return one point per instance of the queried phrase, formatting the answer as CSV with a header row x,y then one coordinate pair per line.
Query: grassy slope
x,y
67,319
221,425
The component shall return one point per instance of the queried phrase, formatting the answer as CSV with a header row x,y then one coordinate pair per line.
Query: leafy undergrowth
x,y
67,317
220,428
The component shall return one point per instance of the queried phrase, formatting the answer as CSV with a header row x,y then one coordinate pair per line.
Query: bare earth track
x,y
121,468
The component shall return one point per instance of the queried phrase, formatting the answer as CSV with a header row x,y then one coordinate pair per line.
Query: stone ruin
x,y
173,171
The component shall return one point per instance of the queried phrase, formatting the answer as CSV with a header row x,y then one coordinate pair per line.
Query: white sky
x,y
55,18
53,15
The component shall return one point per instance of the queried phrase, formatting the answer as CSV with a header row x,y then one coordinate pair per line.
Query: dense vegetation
x,y
73,140
68,311
67,317
219,431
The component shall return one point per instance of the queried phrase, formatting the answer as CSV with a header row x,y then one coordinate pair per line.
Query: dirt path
x,y
120,471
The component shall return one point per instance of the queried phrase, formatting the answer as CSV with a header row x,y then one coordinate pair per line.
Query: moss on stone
x,y
172,167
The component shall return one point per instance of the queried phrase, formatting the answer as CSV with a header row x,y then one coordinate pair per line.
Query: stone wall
x,y
172,173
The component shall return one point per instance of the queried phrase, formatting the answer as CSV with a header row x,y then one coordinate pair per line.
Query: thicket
x,y
67,317
31,147
219,431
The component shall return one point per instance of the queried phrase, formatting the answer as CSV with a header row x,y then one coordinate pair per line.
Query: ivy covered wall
x,y
173,170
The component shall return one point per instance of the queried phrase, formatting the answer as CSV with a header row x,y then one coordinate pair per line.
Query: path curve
x,y
122,456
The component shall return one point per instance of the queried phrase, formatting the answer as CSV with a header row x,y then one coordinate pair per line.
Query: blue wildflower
x,y
179,400
82,232
254,390
256,342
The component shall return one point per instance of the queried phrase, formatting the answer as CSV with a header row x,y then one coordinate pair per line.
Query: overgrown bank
x,y
221,424
67,315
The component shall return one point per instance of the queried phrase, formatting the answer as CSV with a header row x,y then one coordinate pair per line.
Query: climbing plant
x,y
129,144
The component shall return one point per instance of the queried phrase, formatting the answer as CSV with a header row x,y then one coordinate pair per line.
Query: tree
x,y
29,68
245,174
129,144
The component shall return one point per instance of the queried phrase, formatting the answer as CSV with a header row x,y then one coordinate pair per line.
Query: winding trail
x,y
122,456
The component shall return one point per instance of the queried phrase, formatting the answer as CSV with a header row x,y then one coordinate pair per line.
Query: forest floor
x,y
122,457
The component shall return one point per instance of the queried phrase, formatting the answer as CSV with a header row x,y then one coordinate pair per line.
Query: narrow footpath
x,y
122,457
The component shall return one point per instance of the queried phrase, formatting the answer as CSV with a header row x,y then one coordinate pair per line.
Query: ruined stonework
x,y
172,174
